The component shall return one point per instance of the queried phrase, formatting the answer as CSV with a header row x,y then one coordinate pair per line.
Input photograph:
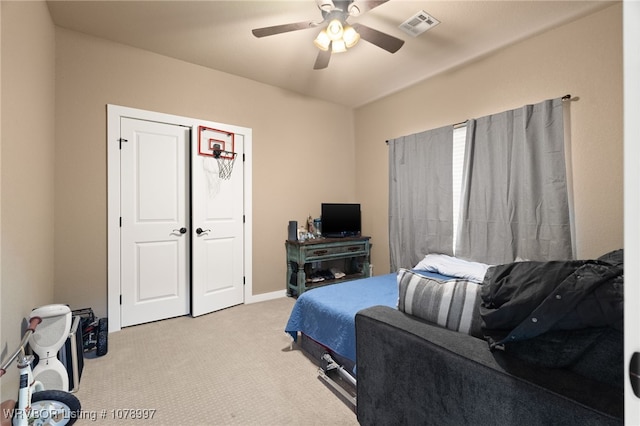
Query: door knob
x,y
202,231
181,230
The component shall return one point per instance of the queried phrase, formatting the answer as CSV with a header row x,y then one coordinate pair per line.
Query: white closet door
x,y
217,223
155,220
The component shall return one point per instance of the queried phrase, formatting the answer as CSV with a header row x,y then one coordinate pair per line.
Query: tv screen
x,y
340,220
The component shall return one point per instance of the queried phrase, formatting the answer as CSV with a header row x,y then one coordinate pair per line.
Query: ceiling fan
x,y
337,35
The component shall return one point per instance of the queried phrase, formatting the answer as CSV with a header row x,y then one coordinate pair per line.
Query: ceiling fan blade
x,y
359,7
322,60
285,28
385,41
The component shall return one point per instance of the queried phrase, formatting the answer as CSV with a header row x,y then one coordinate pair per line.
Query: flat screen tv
x,y
340,220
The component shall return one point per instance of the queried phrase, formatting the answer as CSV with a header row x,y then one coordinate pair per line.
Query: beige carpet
x,y
232,367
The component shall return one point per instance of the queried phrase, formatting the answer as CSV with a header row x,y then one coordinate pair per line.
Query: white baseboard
x,y
266,296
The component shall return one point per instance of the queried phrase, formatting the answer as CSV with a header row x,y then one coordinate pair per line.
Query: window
x,y
457,163
509,201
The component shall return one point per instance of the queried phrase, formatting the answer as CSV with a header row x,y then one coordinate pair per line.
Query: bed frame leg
x,y
329,365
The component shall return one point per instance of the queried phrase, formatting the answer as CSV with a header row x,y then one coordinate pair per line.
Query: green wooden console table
x,y
306,257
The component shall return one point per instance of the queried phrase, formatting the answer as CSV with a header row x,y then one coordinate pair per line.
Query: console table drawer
x,y
319,253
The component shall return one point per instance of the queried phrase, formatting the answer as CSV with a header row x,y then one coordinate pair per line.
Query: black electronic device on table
x,y
340,220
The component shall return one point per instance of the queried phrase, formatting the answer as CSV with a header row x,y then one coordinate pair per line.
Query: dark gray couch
x,y
410,372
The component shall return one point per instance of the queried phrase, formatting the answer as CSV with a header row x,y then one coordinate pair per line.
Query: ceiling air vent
x,y
419,23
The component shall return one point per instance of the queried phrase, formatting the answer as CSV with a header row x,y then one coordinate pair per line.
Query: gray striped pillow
x,y
453,304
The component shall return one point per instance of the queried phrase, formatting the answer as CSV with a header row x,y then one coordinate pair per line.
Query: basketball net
x,y
218,167
225,163
211,171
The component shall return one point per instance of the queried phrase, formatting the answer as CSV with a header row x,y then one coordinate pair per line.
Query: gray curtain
x,y
420,196
514,192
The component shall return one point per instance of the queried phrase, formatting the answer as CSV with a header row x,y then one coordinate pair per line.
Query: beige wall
x,y
294,138
27,170
583,58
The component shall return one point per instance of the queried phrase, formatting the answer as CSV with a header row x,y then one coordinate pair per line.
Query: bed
x,y
322,320
326,315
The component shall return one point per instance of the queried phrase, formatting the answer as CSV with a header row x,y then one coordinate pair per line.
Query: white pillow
x,y
453,267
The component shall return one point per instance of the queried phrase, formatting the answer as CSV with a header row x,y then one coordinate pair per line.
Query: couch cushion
x,y
453,304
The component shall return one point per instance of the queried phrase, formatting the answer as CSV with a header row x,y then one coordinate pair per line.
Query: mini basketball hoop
x,y
225,160
219,145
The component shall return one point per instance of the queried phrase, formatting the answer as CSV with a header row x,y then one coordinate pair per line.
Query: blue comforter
x,y
327,314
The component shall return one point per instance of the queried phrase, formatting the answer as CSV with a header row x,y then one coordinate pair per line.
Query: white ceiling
x,y
217,35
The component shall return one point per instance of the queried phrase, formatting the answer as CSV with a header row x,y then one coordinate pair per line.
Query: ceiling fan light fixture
x,y
337,35
335,30
338,46
350,36
322,41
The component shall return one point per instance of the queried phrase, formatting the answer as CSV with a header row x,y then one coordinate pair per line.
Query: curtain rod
x,y
566,97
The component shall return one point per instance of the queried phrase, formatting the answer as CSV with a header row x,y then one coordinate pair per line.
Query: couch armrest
x,y
413,372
